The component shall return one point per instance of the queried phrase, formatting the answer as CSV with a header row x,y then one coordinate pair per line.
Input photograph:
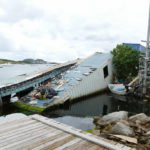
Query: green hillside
x,y
2,61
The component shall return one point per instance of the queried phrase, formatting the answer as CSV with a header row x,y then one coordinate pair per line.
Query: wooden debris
x,y
141,138
126,138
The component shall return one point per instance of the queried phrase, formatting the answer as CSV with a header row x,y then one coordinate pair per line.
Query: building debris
x,y
140,137
125,138
86,77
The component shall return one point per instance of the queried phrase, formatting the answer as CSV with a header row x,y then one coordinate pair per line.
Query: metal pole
x,y
146,55
148,35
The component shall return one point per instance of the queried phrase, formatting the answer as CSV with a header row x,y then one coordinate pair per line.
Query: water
x,y
80,114
15,72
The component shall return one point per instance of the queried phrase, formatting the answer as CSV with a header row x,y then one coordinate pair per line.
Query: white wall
x,y
92,83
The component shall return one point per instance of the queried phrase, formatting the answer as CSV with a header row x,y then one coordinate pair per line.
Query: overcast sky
x,y
61,30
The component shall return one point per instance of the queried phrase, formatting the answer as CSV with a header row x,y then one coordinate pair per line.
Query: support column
x,y
6,99
1,102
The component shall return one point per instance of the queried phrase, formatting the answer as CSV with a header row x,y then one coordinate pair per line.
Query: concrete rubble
x,y
122,129
133,131
140,117
115,116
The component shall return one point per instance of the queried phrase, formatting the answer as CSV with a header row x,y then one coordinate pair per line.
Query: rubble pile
x,y
132,131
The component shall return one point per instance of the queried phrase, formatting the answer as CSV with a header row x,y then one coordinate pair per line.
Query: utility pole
x,y
146,58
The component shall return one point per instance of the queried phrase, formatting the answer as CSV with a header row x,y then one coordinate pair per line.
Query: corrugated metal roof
x,y
76,74
86,67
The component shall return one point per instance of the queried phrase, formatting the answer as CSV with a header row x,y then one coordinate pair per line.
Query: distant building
x,y
135,46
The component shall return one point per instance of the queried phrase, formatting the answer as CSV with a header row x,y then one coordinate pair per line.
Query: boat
x,y
118,89
88,76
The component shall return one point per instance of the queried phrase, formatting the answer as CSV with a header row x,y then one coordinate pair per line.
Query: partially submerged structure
x,y
26,83
88,76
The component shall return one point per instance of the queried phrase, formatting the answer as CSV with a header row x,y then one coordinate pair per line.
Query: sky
x,y
63,30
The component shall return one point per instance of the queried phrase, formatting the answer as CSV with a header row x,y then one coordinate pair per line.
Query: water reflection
x,y
77,122
130,104
102,104
80,114
92,106
98,105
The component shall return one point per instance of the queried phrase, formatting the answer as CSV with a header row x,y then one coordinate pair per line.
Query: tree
x,y
125,61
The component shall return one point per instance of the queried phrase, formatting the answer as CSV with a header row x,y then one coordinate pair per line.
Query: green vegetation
x,y
15,109
90,130
28,107
125,61
3,61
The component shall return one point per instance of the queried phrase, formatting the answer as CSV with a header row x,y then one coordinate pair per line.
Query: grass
x,y
89,130
28,107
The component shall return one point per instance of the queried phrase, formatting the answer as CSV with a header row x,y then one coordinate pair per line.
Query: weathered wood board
x,y
37,132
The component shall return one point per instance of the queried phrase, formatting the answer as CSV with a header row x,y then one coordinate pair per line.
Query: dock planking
x,y
37,132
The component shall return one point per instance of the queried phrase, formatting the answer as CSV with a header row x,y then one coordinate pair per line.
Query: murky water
x,y
80,114
14,72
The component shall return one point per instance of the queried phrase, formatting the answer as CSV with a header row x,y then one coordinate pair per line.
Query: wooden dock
x,y
37,132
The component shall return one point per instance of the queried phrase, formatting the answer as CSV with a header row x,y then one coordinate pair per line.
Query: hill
x,y
4,61
25,61
34,61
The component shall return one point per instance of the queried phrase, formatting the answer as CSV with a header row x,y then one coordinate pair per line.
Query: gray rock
x,y
122,129
102,123
115,116
148,133
140,117
96,119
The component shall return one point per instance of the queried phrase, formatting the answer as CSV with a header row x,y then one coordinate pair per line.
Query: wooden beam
x,y
80,133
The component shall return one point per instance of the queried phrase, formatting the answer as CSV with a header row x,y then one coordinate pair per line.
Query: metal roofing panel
x,y
76,74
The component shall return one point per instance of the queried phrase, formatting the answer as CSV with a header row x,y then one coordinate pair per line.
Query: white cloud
x,y
15,10
62,30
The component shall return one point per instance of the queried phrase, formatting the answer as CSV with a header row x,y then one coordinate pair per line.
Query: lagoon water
x,y
10,73
14,70
81,113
